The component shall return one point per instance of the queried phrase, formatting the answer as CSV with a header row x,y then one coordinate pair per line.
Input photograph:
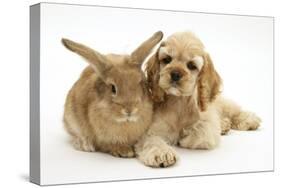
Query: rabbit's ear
x,y
139,55
95,59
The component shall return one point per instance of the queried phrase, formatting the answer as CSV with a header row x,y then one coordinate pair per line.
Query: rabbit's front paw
x,y
83,144
123,151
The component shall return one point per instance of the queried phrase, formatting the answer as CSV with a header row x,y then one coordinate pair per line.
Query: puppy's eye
x,y
191,65
113,89
167,60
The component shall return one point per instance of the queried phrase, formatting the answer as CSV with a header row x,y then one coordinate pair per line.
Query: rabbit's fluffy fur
x,y
188,110
108,109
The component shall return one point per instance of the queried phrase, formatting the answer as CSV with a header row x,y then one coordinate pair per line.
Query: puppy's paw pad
x,y
160,157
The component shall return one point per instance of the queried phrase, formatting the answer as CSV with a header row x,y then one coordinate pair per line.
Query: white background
x,y
14,94
241,47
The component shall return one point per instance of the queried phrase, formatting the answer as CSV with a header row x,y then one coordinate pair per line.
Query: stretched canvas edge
x,y
34,168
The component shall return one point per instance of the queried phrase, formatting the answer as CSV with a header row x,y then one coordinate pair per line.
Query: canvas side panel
x,y
35,93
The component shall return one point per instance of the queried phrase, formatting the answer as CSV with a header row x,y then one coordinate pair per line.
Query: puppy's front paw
x,y
246,121
159,157
201,135
123,151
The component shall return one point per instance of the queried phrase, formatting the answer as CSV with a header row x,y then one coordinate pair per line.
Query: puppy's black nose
x,y
176,76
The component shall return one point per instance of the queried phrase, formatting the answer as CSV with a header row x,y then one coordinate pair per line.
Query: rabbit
x,y
108,109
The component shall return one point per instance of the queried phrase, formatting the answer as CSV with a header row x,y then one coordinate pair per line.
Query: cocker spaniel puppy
x,y
188,110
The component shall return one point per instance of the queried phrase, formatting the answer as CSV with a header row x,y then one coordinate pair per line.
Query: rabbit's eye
x,y
113,89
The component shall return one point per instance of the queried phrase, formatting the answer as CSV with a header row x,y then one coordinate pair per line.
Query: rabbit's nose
x,y
129,112
126,112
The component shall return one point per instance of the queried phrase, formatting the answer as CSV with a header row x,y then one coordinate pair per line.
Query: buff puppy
x,y
188,109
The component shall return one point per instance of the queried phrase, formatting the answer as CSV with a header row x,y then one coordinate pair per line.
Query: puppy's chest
x,y
179,113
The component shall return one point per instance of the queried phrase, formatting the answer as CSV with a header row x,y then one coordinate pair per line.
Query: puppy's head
x,y
181,67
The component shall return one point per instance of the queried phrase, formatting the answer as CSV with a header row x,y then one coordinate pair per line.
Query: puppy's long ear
x,y
139,55
209,83
153,76
95,59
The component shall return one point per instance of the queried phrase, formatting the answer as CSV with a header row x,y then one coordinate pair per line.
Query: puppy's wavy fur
x,y
108,109
188,108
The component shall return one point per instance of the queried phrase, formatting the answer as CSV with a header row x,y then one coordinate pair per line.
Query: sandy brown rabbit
x,y
108,108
